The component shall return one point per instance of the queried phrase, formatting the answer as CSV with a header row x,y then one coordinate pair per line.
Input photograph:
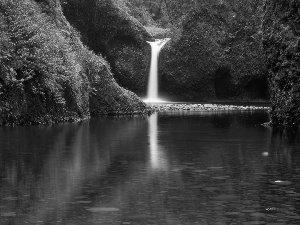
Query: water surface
x,y
169,168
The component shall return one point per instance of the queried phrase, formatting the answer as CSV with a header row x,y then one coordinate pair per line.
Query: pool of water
x,y
220,167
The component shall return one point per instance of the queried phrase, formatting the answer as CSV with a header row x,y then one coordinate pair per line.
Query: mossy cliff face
x,y
281,31
108,28
47,74
215,51
216,55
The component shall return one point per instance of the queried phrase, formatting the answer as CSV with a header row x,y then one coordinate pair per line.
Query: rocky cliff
x,y
281,32
217,54
108,27
47,74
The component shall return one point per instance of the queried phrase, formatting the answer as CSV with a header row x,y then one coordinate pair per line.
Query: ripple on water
x,y
196,187
200,171
248,210
84,202
256,223
8,214
281,182
139,217
10,199
221,178
211,189
102,209
257,214
215,168
224,197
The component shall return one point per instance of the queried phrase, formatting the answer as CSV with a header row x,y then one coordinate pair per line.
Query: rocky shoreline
x,y
201,107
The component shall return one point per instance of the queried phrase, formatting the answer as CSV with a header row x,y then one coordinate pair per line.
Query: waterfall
x,y
152,93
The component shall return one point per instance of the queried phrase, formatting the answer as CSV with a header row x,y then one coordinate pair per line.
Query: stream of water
x,y
152,91
170,168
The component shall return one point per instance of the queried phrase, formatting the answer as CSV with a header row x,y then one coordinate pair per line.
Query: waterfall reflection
x,y
157,156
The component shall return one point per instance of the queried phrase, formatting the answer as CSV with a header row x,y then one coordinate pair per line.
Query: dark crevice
x,y
258,88
223,83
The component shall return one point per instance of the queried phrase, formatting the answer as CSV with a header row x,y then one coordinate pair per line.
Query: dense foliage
x,y
281,43
215,50
113,32
46,74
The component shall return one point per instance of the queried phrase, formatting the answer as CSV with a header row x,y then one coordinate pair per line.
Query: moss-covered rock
x,y
108,27
282,45
215,51
47,75
216,55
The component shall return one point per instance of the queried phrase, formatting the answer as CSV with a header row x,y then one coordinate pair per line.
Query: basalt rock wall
x,y
108,28
215,52
216,55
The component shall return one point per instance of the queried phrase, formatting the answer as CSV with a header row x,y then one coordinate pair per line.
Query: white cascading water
x,y
152,93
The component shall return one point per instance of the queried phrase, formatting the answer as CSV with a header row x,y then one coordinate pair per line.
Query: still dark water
x,y
170,168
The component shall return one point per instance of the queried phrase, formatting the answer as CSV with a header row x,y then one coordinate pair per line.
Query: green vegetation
x,y
216,52
47,74
115,34
61,60
281,43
